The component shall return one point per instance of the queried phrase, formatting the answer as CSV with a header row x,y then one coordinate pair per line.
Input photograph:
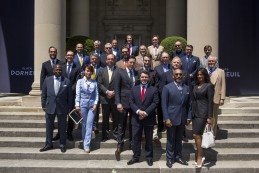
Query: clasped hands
x,y
110,94
142,114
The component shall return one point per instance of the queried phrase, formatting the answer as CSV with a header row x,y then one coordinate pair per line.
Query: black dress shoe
x,y
63,149
149,162
117,154
181,161
130,147
132,161
56,137
46,148
96,131
70,138
169,163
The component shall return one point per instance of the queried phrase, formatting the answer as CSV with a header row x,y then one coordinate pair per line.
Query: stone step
x,y
239,117
20,109
240,104
38,142
112,166
219,154
40,132
22,115
244,110
238,124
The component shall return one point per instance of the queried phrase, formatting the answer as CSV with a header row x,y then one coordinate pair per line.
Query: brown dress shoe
x,y
117,154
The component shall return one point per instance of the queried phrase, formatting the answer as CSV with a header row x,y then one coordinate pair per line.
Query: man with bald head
x,y
179,51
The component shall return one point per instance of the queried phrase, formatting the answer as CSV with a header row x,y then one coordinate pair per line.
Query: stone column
x,y
49,30
176,18
80,17
202,25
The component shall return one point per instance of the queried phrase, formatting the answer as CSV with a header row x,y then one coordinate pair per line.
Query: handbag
x,y
75,116
208,140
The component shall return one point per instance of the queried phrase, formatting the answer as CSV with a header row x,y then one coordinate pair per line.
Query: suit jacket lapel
x,y
113,74
214,76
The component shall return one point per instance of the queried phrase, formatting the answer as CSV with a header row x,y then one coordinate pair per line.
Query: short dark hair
x,y
207,47
52,47
145,72
148,55
89,67
189,45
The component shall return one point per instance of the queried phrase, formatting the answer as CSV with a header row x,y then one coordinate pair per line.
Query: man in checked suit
x,y
106,81
143,102
56,100
177,113
126,79
47,66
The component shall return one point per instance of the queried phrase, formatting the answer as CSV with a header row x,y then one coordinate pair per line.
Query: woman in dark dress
x,y
202,109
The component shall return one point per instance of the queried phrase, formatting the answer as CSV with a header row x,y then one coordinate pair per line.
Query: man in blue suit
x,y
56,100
80,58
143,102
177,113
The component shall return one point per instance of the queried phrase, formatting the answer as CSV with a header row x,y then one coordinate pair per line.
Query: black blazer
x,y
202,103
123,87
149,105
160,80
104,85
47,70
179,54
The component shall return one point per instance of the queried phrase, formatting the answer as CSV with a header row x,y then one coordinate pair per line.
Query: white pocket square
x,y
64,85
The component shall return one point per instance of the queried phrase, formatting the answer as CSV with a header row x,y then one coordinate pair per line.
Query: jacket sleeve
x,y
44,95
117,88
132,102
210,95
164,102
102,88
96,94
154,103
78,93
223,87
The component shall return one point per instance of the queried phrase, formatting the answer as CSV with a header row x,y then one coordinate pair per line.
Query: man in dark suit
x,y
126,79
80,58
56,100
164,67
97,48
179,51
108,50
47,66
94,61
115,50
106,81
190,64
143,102
129,43
177,113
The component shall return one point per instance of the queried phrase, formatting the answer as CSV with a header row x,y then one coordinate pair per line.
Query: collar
x,y
108,68
70,64
57,78
86,81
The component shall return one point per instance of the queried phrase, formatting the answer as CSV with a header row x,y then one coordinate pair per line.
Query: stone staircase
x,y
22,134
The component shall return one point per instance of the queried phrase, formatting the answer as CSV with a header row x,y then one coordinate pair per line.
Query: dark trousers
x,y
62,126
70,126
122,124
108,109
160,118
96,118
136,140
174,142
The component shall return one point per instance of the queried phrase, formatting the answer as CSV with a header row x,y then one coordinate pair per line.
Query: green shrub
x,y
86,41
168,43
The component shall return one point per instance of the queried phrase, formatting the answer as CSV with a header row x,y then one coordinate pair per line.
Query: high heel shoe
x,y
199,166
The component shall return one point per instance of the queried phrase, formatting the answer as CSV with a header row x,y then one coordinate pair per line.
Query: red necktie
x,y
142,93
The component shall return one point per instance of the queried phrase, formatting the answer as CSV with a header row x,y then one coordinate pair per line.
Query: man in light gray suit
x,y
55,100
177,113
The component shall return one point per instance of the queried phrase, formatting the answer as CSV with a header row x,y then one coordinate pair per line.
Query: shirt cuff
x,y
137,111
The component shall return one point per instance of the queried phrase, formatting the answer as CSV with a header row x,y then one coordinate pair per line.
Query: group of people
x,y
157,91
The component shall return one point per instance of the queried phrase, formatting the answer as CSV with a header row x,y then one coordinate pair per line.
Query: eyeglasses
x,y
124,51
177,45
108,48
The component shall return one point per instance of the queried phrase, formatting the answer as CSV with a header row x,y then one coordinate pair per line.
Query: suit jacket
x,y
159,73
86,60
194,65
118,54
179,54
104,85
176,104
56,104
47,70
168,76
218,79
202,103
123,87
102,60
149,105
120,64
156,58
134,50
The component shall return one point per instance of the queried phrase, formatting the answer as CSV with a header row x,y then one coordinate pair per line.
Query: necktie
x,y
165,68
68,70
110,74
188,62
210,71
53,63
81,60
56,85
93,75
180,88
155,50
131,77
143,93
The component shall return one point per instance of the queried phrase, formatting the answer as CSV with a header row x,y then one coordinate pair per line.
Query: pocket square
x,y
64,85
194,62
187,93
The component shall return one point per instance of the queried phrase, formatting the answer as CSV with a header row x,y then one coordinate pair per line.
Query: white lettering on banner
x,y
25,71
231,74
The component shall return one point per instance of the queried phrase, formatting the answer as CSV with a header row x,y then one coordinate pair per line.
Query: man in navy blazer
x,y
47,66
80,58
129,43
143,102
177,113
56,100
